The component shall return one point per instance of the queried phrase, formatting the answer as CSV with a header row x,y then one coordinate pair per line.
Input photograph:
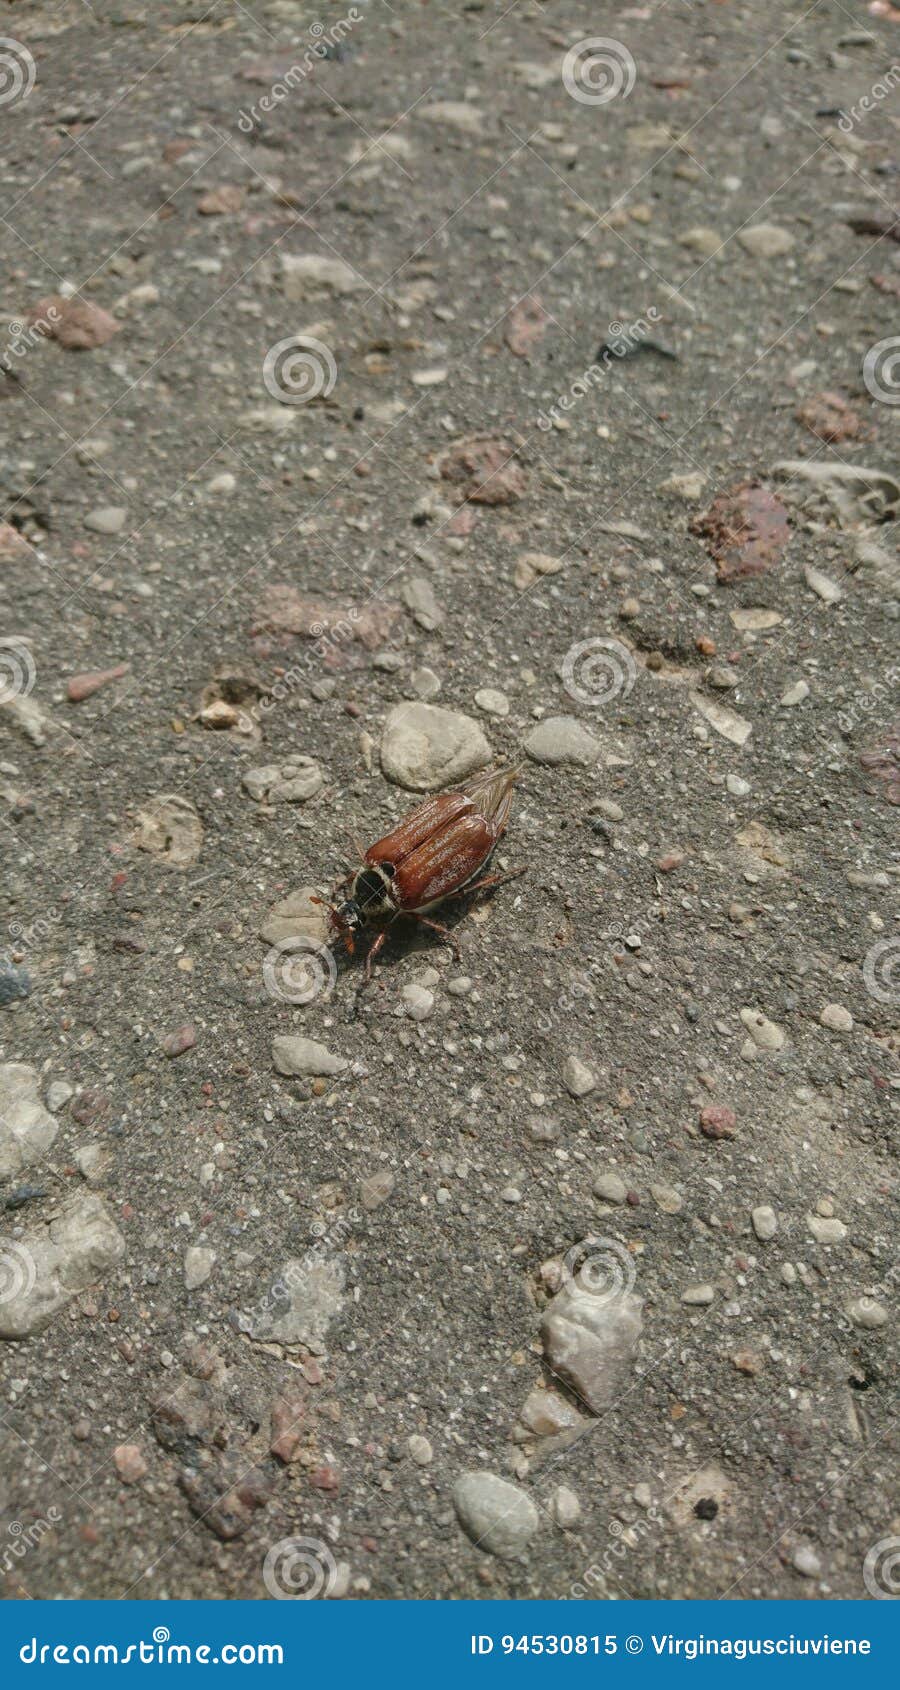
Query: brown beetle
x,y
433,853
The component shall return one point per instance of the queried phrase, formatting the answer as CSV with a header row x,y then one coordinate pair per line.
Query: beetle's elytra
x,y
438,850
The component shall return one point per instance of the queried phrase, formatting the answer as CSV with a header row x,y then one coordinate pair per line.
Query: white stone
x,y
294,1055
198,1265
577,1077
765,1222
563,739
835,1016
27,1129
425,748
496,1515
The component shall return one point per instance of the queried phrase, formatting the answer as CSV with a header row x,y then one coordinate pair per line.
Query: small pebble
x,y
835,1016
765,1222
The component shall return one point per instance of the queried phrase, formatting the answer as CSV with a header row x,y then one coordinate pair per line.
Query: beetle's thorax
x,y
372,892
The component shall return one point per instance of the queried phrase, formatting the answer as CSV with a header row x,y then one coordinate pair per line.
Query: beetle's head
x,y
349,916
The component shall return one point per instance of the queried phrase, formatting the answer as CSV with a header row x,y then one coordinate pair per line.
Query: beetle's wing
x,y
443,862
491,795
418,827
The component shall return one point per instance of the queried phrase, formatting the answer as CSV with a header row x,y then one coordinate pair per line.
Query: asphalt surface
x,y
683,1014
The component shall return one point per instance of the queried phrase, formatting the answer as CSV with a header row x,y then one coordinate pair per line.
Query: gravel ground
x,y
390,391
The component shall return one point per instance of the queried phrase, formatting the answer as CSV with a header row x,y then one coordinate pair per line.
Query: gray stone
x,y
562,739
866,1312
698,1295
577,1077
43,1270
610,1187
492,702
766,240
107,519
296,916
308,273
425,748
419,597
765,1222
303,1300
27,1129
418,1002
835,1016
198,1265
826,1229
590,1341
547,1413
495,1514
293,1055
565,1507
420,1449
292,782
764,1033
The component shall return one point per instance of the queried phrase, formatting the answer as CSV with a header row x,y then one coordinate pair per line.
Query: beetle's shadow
x,y
405,937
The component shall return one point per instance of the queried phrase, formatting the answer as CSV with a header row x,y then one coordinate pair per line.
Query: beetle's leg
x,y
492,880
373,952
444,932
